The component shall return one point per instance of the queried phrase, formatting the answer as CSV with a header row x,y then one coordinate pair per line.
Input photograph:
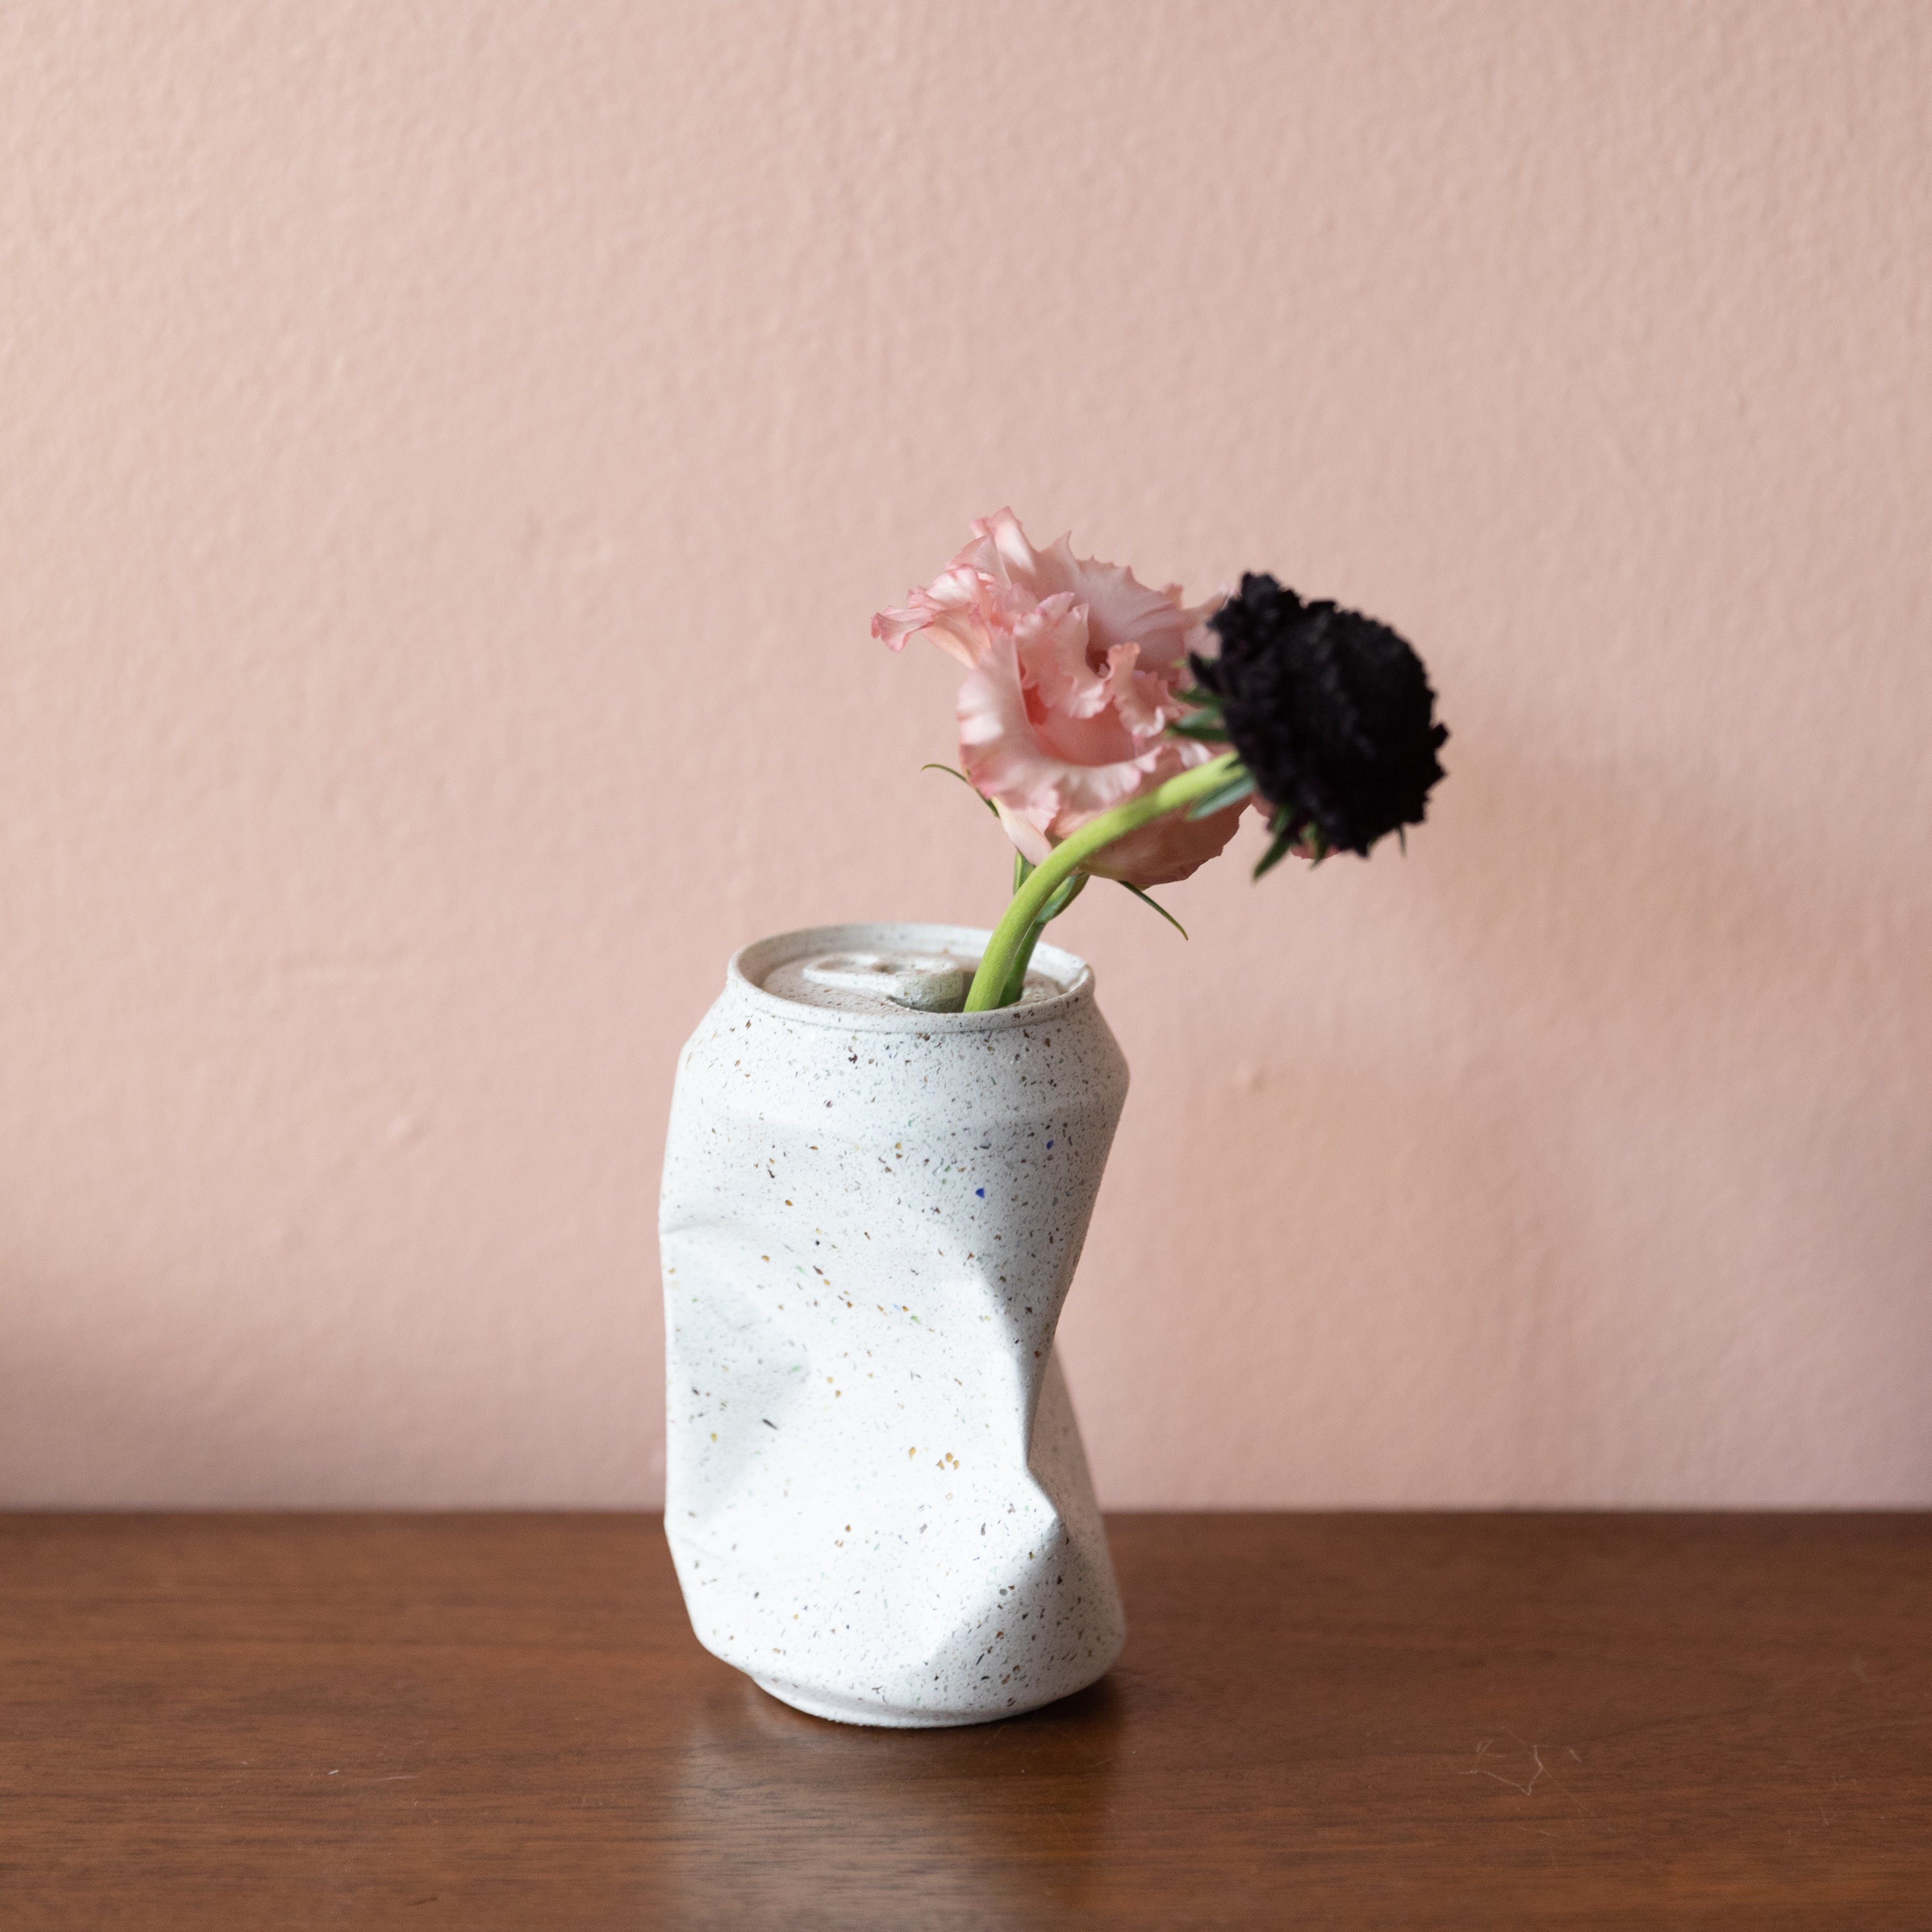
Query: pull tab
x,y
927,984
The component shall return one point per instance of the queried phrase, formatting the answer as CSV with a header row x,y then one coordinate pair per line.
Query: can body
x,y
875,1492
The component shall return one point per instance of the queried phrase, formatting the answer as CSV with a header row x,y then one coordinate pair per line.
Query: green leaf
x,y
1145,899
1209,730
951,771
1284,844
1232,793
1063,899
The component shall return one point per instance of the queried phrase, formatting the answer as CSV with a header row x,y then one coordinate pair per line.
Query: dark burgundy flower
x,y
1331,713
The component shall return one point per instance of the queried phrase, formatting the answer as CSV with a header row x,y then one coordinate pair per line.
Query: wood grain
x,y
1343,1721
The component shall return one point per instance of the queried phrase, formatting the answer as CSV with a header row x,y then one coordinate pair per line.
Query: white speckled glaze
x,y
875,1491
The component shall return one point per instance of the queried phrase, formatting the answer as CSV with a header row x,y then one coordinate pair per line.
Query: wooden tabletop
x,y
1468,1721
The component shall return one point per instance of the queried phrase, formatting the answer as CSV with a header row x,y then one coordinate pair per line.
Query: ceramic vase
x,y
876,1494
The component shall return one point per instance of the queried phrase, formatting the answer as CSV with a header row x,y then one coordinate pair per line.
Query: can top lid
x,y
898,978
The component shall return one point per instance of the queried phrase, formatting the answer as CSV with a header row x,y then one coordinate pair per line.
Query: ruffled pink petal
x,y
1144,701
1120,608
956,609
1055,662
1155,762
1168,849
1008,553
1029,841
892,628
1001,751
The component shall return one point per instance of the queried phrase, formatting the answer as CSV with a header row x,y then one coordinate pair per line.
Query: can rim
x,y
750,963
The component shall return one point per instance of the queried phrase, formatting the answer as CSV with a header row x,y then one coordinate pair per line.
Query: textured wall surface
x,y
451,457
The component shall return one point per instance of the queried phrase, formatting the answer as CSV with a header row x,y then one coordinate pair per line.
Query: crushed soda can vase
x,y
876,1494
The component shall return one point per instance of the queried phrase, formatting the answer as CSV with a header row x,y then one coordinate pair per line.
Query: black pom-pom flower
x,y
1331,712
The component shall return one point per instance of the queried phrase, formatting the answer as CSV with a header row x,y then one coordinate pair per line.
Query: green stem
x,y
991,981
1015,984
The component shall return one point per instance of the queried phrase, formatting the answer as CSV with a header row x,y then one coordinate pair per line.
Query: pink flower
x,y
1071,667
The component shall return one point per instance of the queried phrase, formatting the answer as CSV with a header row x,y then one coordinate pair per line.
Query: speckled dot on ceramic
x,y
876,1494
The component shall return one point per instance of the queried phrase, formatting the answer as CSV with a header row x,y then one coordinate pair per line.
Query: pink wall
x,y
451,457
